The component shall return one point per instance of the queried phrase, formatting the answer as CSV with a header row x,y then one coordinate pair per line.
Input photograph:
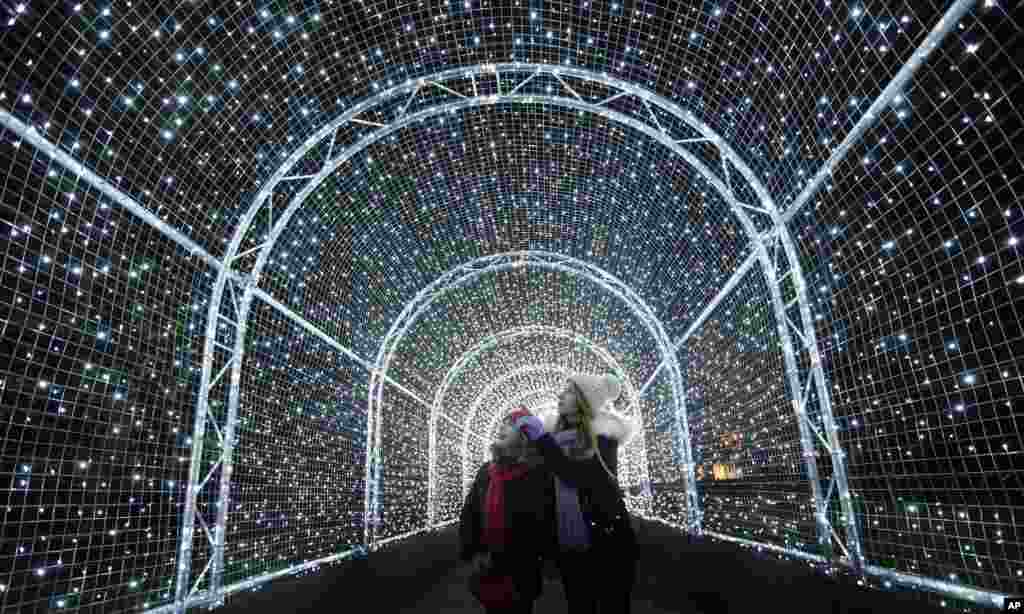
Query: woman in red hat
x,y
507,523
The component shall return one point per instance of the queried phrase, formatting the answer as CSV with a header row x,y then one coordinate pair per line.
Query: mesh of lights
x,y
900,236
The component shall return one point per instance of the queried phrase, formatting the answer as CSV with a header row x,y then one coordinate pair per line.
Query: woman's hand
x,y
480,563
531,426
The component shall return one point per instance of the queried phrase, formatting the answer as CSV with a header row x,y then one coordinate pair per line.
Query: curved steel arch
x,y
487,344
378,369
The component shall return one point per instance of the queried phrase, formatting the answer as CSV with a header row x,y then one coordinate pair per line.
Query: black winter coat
x,y
529,518
601,501
529,513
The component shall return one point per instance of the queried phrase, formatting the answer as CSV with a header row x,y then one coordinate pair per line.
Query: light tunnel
x,y
272,272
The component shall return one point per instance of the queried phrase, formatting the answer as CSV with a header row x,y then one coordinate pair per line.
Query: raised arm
x,y
574,473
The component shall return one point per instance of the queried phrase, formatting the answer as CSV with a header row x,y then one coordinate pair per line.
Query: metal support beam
x,y
611,98
654,117
55,153
523,82
807,392
221,373
783,328
727,289
248,251
209,475
831,488
728,183
206,528
796,330
566,86
234,298
331,341
447,89
401,114
753,208
810,346
931,42
199,581
801,414
216,428
368,123
334,135
228,453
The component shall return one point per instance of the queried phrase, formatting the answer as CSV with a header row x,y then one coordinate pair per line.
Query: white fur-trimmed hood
x,y
610,424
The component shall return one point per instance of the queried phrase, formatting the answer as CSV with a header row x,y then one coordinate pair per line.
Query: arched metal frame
x,y
486,345
378,371
227,277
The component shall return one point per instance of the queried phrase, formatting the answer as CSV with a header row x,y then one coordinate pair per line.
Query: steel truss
x,y
765,250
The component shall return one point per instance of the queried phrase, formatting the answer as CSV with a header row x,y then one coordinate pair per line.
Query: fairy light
x,y
115,313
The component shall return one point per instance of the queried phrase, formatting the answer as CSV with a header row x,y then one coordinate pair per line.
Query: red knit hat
x,y
519,412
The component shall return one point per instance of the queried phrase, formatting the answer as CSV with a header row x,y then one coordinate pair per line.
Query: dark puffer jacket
x,y
602,502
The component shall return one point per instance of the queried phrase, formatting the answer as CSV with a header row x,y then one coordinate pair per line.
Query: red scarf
x,y
495,532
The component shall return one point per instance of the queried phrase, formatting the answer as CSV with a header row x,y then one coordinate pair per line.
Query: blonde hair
x,y
585,428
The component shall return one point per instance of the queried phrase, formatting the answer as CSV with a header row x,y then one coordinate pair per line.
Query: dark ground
x,y
675,574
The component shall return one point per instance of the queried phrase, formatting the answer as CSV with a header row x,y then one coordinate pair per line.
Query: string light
x,y
904,238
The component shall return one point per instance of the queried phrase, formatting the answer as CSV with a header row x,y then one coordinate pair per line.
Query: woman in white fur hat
x,y
597,544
